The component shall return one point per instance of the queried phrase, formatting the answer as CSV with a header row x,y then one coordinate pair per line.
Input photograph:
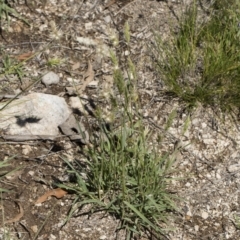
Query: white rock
x,y
196,227
195,121
187,134
71,80
86,41
34,228
234,168
234,154
188,184
53,237
93,84
17,91
218,176
50,78
103,237
76,103
126,53
209,140
204,215
88,26
42,27
208,175
189,213
35,114
31,173
86,229
107,19
26,149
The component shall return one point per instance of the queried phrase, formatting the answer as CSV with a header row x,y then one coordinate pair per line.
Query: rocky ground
x,y
63,37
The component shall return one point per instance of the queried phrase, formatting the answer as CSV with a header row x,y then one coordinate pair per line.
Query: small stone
x,y
196,227
209,141
93,84
42,27
218,176
107,19
26,149
234,168
52,237
88,26
208,175
195,121
34,228
187,134
71,80
188,184
86,229
31,173
76,104
102,237
204,215
50,78
189,213
145,114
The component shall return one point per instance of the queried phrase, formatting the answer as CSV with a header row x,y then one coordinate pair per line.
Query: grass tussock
x,y
201,61
123,175
6,10
3,173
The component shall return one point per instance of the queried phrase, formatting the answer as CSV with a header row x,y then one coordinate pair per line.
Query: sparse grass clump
x,y
123,174
6,10
11,66
3,173
201,62
54,62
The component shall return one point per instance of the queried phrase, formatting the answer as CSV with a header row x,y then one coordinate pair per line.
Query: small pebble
x,y
102,237
188,184
76,103
34,228
189,213
195,121
234,168
126,53
218,176
204,215
26,149
31,173
196,227
88,26
52,237
93,84
86,229
50,78
107,19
